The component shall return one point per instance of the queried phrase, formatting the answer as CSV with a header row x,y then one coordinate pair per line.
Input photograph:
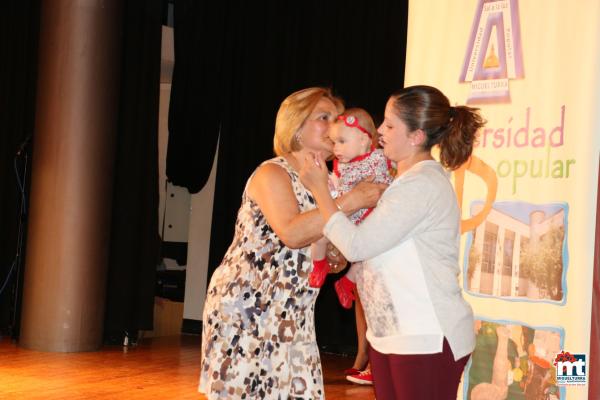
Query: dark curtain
x,y
134,234
19,31
194,124
237,60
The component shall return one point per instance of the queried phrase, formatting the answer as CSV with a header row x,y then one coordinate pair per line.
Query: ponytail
x,y
457,140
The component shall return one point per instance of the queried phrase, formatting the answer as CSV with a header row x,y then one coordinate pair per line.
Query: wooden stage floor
x,y
160,368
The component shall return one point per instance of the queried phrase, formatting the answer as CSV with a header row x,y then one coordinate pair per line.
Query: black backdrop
x,y
237,60
134,240
19,29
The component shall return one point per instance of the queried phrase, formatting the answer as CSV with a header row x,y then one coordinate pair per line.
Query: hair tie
x,y
452,112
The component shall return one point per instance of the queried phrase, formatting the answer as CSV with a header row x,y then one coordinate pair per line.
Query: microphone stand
x,y
15,312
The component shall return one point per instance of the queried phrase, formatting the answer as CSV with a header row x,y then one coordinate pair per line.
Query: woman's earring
x,y
297,137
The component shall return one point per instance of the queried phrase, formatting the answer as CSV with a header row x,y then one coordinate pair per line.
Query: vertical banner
x,y
528,195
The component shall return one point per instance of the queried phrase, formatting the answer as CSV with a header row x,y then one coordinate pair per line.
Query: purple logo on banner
x,y
493,54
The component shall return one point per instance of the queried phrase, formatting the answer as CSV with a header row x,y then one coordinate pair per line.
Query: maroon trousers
x,y
416,376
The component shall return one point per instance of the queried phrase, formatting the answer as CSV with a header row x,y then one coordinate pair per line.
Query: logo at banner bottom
x,y
570,368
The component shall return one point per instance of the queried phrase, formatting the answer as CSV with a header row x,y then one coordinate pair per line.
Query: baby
x,y
356,159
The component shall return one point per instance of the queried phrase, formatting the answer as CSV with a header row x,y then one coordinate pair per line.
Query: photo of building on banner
x,y
519,252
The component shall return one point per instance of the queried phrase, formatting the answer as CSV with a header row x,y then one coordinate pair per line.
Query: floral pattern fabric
x,y
258,339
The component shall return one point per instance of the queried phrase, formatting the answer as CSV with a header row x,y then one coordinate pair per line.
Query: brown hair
x,y
365,120
294,110
454,129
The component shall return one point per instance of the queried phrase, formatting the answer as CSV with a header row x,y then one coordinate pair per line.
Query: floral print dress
x,y
258,339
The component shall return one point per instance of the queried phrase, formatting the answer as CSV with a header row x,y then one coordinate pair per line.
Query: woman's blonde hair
x,y
294,110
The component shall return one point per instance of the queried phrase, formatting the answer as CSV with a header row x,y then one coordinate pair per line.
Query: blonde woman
x,y
258,339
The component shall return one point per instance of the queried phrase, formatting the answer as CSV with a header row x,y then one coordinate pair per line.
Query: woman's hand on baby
x,y
314,173
366,194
